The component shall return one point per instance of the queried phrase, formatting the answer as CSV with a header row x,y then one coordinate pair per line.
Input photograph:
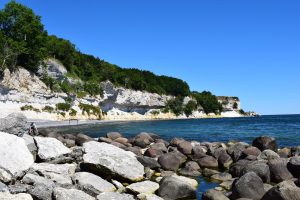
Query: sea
x,y
285,128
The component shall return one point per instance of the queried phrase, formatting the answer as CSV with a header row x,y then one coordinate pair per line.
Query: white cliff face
x,y
127,100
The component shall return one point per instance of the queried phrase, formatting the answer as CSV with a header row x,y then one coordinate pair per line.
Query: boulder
x,y
237,168
279,170
82,138
18,188
172,187
149,197
285,152
15,156
33,179
50,148
222,176
3,187
264,143
153,153
143,140
209,172
41,192
236,150
21,196
114,196
123,141
15,123
285,190
268,155
106,159
260,168
113,135
208,162
294,166
70,194
176,141
47,132
185,147
214,195
253,151
172,160
191,168
144,187
248,186
224,160
159,146
148,162
199,151
92,184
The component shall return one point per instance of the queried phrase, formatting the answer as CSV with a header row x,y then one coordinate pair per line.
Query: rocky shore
x,y
62,166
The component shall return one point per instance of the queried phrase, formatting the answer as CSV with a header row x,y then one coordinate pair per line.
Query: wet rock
x,y
279,170
145,187
15,123
260,168
114,196
148,162
248,186
285,190
92,184
15,156
268,155
294,166
208,162
172,187
113,135
50,148
82,138
70,194
264,143
108,160
172,160
209,172
214,195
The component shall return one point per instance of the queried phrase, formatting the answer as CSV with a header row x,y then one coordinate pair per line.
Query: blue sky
x,y
244,48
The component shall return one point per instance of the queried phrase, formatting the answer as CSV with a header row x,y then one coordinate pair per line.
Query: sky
x,y
244,48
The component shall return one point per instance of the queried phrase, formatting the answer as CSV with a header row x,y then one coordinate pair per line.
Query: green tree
x,y
208,101
24,32
190,107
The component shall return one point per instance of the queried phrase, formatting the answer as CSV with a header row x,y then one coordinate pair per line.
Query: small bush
x,y
62,114
29,107
175,106
154,112
90,109
72,112
189,108
242,112
63,106
48,109
81,94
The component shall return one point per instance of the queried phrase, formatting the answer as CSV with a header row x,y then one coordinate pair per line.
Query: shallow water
x,y
285,128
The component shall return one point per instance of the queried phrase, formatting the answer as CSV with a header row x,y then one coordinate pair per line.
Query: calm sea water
x,y
285,128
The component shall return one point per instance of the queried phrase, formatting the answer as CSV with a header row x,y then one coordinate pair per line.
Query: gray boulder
x,y
172,160
70,194
172,187
236,150
285,190
294,166
21,196
191,168
114,196
113,135
268,155
92,184
14,154
237,168
106,159
260,168
224,160
214,195
148,162
248,186
279,170
50,148
15,123
265,142
143,140
224,176
208,162
144,187
82,138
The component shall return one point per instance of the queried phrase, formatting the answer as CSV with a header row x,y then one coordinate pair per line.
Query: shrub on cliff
x,y
90,109
175,106
208,101
29,108
190,107
63,106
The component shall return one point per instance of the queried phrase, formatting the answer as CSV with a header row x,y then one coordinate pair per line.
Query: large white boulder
x,y
146,187
20,196
92,184
50,148
71,194
15,158
103,158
